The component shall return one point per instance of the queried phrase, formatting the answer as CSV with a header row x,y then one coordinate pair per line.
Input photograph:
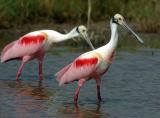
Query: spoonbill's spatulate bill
x,y
95,63
35,44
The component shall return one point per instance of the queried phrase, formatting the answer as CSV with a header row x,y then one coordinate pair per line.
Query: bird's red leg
x,y
40,63
98,82
80,83
41,77
20,70
76,95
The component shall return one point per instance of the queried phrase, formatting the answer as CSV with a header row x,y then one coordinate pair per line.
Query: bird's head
x,y
83,32
119,19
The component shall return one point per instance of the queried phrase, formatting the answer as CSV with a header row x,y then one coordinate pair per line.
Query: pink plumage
x,y
93,64
28,47
32,39
85,62
87,66
80,68
9,46
34,45
61,72
25,46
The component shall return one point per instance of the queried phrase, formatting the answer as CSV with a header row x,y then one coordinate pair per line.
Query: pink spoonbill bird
x,y
35,44
95,63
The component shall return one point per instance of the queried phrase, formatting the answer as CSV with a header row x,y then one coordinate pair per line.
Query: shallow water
x,y
130,89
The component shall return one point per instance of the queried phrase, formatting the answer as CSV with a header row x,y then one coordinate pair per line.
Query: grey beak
x,y
124,24
88,41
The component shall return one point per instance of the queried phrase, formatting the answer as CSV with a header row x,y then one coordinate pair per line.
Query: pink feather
x,y
78,69
61,72
27,45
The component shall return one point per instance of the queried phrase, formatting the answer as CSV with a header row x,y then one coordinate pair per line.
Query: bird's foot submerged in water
x,y
41,77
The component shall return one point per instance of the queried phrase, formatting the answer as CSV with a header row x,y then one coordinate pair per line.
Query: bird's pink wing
x,y
7,47
80,68
26,45
61,72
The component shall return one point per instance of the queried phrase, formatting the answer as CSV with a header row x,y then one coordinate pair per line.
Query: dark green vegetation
x,y
21,16
13,12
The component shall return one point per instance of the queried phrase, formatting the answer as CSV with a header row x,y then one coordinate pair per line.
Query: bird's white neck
x,y
73,33
110,47
114,36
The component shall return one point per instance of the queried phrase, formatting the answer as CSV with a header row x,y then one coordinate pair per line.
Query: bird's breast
x,y
105,63
47,46
102,67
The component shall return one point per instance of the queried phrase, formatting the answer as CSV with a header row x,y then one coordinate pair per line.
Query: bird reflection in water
x,y
36,92
29,99
82,112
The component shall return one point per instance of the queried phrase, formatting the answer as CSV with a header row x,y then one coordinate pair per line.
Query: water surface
x,y
130,89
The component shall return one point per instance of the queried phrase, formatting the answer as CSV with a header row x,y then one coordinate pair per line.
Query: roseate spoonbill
x,y
94,63
35,44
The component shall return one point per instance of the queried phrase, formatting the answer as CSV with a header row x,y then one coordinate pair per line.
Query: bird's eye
x,y
119,18
83,30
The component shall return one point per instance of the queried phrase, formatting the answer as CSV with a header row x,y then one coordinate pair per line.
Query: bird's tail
x,y
3,56
60,73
